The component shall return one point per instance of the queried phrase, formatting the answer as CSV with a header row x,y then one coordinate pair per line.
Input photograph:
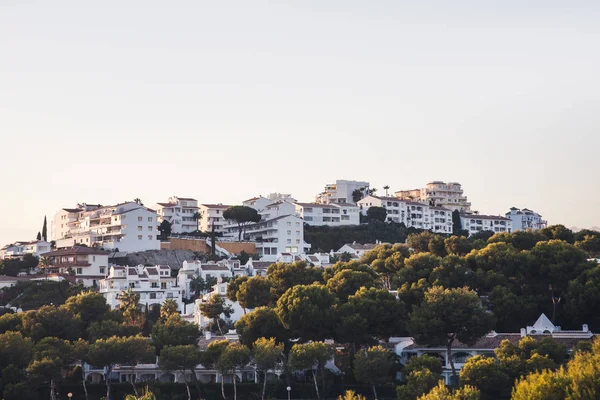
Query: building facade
x,y
87,265
525,219
212,214
126,227
447,195
18,249
341,192
332,214
180,212
154,285
474,223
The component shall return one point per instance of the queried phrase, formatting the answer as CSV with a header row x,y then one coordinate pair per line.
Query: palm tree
x,y
386,187
138,200
129,304
197,217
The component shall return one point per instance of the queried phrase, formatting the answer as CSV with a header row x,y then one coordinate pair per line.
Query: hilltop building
x,y
525,219
341,192
448,195
180,212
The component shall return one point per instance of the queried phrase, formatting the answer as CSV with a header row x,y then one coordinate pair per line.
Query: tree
x,y
89,306
558,232
447,315
210,357
15,350
312,356
357,195
437,246
486,375
234,357
458,245
418,383
214,307
242,215
168,308
419,242
109,328
129,304
197,217
590,244
165,230
456,223
284,276
233,286
45,230
174,331
377,213
138,201
372,366
255,292
441,392
350,395
179,358
79,351
544,385
307,311
51,321
39,236
424,361
346,282
266,353
50,357
263,322
115,350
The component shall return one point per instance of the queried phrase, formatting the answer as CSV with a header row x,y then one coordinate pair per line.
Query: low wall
x,y
199,245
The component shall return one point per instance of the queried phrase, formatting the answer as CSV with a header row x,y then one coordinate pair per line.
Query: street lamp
x,y
289,389
69,395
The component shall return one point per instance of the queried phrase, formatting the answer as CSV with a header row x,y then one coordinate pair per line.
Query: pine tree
x,y
45,230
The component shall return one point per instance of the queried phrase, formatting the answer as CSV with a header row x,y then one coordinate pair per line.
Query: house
x,y
87,265
220,289
19,249
180,212
525,219
332,214
406,347
212,215
126,227
447,195
10,281
341,191
154,285
356,249
474,223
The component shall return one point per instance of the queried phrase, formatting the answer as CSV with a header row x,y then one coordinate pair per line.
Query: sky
x,y
103,102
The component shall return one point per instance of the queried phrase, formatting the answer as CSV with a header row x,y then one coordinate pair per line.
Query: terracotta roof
x,y
6,278
166,204
119,268
77,250
286,254
252,199
313,258
213,267
164,267
478,216
261,264
215,205
359,246
152,271
131,271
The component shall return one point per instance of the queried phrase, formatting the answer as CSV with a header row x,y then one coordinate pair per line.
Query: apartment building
x,y
88,265
18,249
126,227
474,223
60,225
181,212
212,214
341,191
332,214
154,285
411,213
447,195
525,219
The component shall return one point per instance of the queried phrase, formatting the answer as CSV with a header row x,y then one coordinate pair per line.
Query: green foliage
x,y
544,385
346,282
373,365
263,322
31,295
417,383
52,321
88,306
174,332
486,375
267,353
214,308
558,232
458,245
178,358
255,292
424,361
307,311
441,392
350,395
456,223
165,230
168,309
15,349
377,213
233,286
309,356
284,276
419,242
243,215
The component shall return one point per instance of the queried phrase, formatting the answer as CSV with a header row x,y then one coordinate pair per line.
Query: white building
x,y
128,227
153,284
88,265
220,289
212,214
60,226
411,213
332,214
19,249
406,347
474,223
341,191
525,219
448,195
356,249
180,212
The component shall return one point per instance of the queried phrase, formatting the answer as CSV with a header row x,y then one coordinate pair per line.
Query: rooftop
x,y
77,250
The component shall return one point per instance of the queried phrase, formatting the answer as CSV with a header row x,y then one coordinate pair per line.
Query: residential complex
x,y
448,195
154,285
525,219
212,215
18,249
341,192
181,212
411,213
474,223
332,214
87,265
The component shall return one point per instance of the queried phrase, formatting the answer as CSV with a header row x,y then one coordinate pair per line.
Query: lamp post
x,y
69,395
289,390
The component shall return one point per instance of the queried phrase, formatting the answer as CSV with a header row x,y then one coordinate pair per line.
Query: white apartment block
x,y
283,234
89,265
411,213
212,214
340,191
474,223
448,195
18,249
180,212
63,219
126,227
332,214
154,285
525,219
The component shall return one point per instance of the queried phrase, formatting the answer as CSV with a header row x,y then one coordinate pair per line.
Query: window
x,y
79,271
289,232
140,237
153,295
297,223
149,219
297,233
150,237
289,223
123,217
140,228
149,229
140,219
93,258
154,284
163,285
289,241
101,270
123,226
297,241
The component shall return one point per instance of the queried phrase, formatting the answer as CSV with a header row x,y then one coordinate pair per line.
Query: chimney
x,y
523,332
585,328
207,335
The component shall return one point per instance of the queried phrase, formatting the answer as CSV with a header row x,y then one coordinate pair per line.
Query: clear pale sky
x,y
102,102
